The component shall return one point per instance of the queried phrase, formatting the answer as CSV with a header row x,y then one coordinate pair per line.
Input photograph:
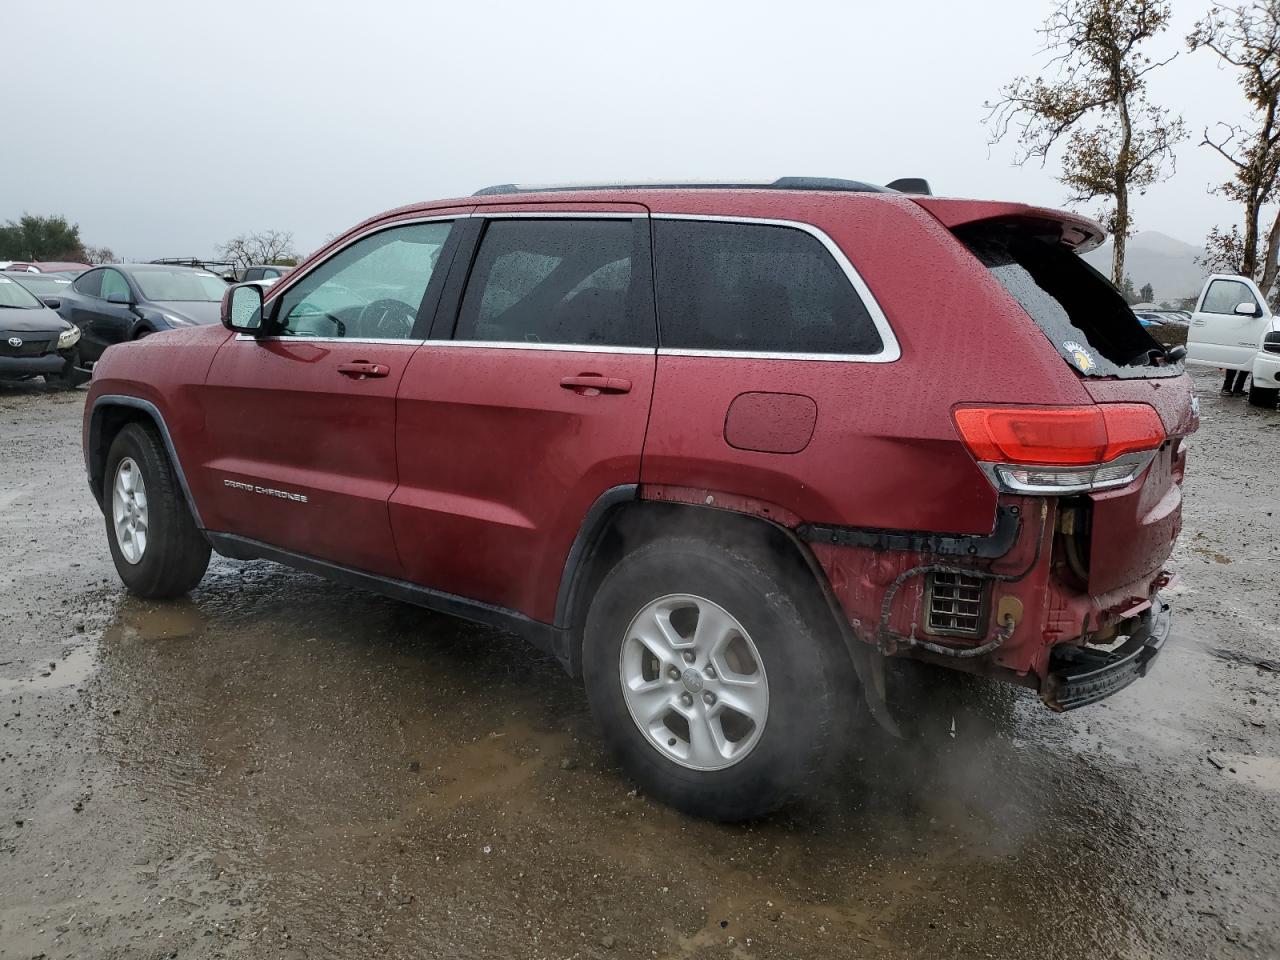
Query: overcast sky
x,y
165,128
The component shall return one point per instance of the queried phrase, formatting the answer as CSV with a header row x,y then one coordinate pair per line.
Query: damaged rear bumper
x,y
1079,676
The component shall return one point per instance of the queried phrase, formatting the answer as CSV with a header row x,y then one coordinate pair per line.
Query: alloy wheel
x,y
694,682
129,510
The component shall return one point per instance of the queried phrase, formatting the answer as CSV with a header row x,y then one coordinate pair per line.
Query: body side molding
x,y
541,635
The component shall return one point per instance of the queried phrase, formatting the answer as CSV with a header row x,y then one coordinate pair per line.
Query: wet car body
x,y
118,303
990,482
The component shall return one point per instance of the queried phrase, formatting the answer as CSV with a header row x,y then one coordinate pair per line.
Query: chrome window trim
x,y
286,282
487,344
385,340
889,350
294,276
524,345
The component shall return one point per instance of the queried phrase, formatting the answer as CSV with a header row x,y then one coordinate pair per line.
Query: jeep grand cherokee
x,y
721,450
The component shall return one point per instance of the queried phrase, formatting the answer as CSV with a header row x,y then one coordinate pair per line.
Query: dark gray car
x,y
35,341
123,302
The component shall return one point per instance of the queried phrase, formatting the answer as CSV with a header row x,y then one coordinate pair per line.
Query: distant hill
x,y
1165,262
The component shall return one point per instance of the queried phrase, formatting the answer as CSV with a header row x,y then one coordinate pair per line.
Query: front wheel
x,y
70,376
157,549
1263,396
716,686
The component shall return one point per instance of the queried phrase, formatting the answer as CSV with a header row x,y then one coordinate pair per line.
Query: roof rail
x,y
782,183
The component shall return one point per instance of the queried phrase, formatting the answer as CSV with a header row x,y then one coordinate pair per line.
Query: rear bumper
x,y
17,366
1079,676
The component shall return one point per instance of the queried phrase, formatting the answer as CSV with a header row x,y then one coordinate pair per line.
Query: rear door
x,y
1221,337
300,424
529,402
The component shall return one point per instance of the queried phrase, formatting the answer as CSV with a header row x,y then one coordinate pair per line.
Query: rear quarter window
x,y
755,288
1076,308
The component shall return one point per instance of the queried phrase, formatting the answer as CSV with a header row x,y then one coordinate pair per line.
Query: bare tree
x,y
1247,37
97,255
1116,141
269,246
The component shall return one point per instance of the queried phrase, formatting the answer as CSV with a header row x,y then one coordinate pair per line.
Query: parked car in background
x,y
264,271
68,267
49,287
1232,328
1148,318
664,434
34,340
123,302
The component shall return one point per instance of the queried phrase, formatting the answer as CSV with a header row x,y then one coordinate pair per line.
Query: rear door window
x,y
1223,296
750,287
1076,308
550,281
90,284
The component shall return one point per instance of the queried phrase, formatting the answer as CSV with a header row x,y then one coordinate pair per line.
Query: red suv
x,y
720,449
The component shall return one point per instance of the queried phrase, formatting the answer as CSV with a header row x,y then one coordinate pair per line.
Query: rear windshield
x,y
1076,307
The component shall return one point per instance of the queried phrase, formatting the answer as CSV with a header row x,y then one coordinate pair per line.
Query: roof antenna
x,y
911,185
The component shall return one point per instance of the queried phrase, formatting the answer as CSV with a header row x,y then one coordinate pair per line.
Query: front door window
x,y
371,290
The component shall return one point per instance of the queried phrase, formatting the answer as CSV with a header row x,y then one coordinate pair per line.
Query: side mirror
x,y
53,303
1248,309
120,298
242,308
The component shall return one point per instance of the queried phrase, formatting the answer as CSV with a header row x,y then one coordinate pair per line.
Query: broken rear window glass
x,y
1083,315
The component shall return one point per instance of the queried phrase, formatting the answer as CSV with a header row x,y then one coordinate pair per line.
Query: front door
x,y
301,423
512,424
1221,337
102,310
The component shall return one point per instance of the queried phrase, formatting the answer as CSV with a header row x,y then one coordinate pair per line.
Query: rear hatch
x,y
1128,531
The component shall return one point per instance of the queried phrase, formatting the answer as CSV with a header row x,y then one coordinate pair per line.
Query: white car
x,y
1232,328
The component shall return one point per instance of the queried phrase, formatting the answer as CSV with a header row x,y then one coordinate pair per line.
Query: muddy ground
x,y
281,767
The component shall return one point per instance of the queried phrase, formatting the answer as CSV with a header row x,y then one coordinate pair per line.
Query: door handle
x,y
1197,323
593,384
363,370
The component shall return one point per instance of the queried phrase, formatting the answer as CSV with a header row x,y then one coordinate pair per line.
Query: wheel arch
x,y
110,415
621,520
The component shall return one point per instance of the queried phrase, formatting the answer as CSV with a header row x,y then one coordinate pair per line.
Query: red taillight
x,y
1059,436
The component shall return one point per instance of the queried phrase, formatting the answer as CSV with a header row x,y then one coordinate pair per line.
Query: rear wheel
x,y
157,549
1263,396
714,689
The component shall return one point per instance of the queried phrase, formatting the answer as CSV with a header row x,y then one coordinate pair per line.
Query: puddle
x,y
176,621
1260,772
72,669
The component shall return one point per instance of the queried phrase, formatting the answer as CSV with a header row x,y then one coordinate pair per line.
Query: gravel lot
x,y
280,767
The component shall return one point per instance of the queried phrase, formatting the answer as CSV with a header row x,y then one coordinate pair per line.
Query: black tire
x,y
1263,396
809,676
175,554
69,377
